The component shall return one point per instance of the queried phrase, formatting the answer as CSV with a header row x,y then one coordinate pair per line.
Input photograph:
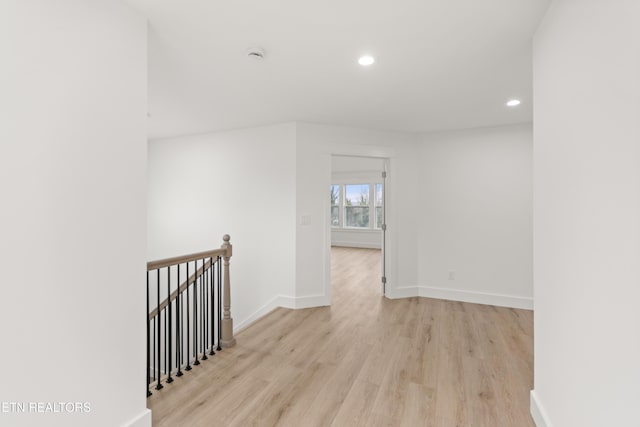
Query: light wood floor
x,y
366,361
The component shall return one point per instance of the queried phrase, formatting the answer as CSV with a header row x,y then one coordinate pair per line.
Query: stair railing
x,y
186,318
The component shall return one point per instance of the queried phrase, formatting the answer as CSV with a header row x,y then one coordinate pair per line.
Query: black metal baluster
x,y
199,346
153,348
168,328
203,313
159,384
188,368
165,339
211,306
195,312
148,341
178,329
219,302
205,301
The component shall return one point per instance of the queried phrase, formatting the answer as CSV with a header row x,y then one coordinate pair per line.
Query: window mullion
x,y
372,206
341,206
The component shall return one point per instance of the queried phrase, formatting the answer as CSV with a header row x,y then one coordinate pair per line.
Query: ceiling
x,y
440,64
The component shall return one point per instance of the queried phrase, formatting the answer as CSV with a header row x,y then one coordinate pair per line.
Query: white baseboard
x,y
283,301
142,420
262,311
463,296
357,245
408,292
538,413
304,302
477,297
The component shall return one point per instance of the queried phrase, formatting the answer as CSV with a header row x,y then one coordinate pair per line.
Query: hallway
x,y
365,360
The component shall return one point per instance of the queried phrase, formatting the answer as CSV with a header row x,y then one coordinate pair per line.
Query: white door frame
x,y
386,154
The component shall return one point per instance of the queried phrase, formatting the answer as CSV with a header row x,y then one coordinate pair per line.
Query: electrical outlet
x,y
452,275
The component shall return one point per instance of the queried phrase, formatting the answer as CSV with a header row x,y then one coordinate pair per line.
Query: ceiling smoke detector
x,y
256,53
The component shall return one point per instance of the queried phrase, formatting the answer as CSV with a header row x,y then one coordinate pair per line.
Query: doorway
x,y
358,224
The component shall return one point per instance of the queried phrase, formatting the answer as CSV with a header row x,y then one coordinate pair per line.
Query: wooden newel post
x,y
227,339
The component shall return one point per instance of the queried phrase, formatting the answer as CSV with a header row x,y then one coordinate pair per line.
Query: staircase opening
x,y
188,313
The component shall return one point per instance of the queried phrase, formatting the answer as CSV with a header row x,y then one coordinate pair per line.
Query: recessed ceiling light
x,y
513,103
366,60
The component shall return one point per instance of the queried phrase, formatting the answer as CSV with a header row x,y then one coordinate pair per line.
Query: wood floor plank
x,y
419,409
358,405
312,390
364,361
393,390
451,398
479,393
338,385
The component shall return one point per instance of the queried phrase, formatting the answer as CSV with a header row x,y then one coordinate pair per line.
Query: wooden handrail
x,y
182,287
225,252
153,265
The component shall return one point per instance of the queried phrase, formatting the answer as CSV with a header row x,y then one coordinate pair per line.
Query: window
x,y
357,206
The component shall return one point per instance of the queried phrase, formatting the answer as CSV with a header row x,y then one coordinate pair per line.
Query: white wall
x,y
73,221
587,214
315,146
351,164
475,203
241,183
371,239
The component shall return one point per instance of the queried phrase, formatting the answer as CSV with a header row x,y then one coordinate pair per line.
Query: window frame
x,y
339,206
371,205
